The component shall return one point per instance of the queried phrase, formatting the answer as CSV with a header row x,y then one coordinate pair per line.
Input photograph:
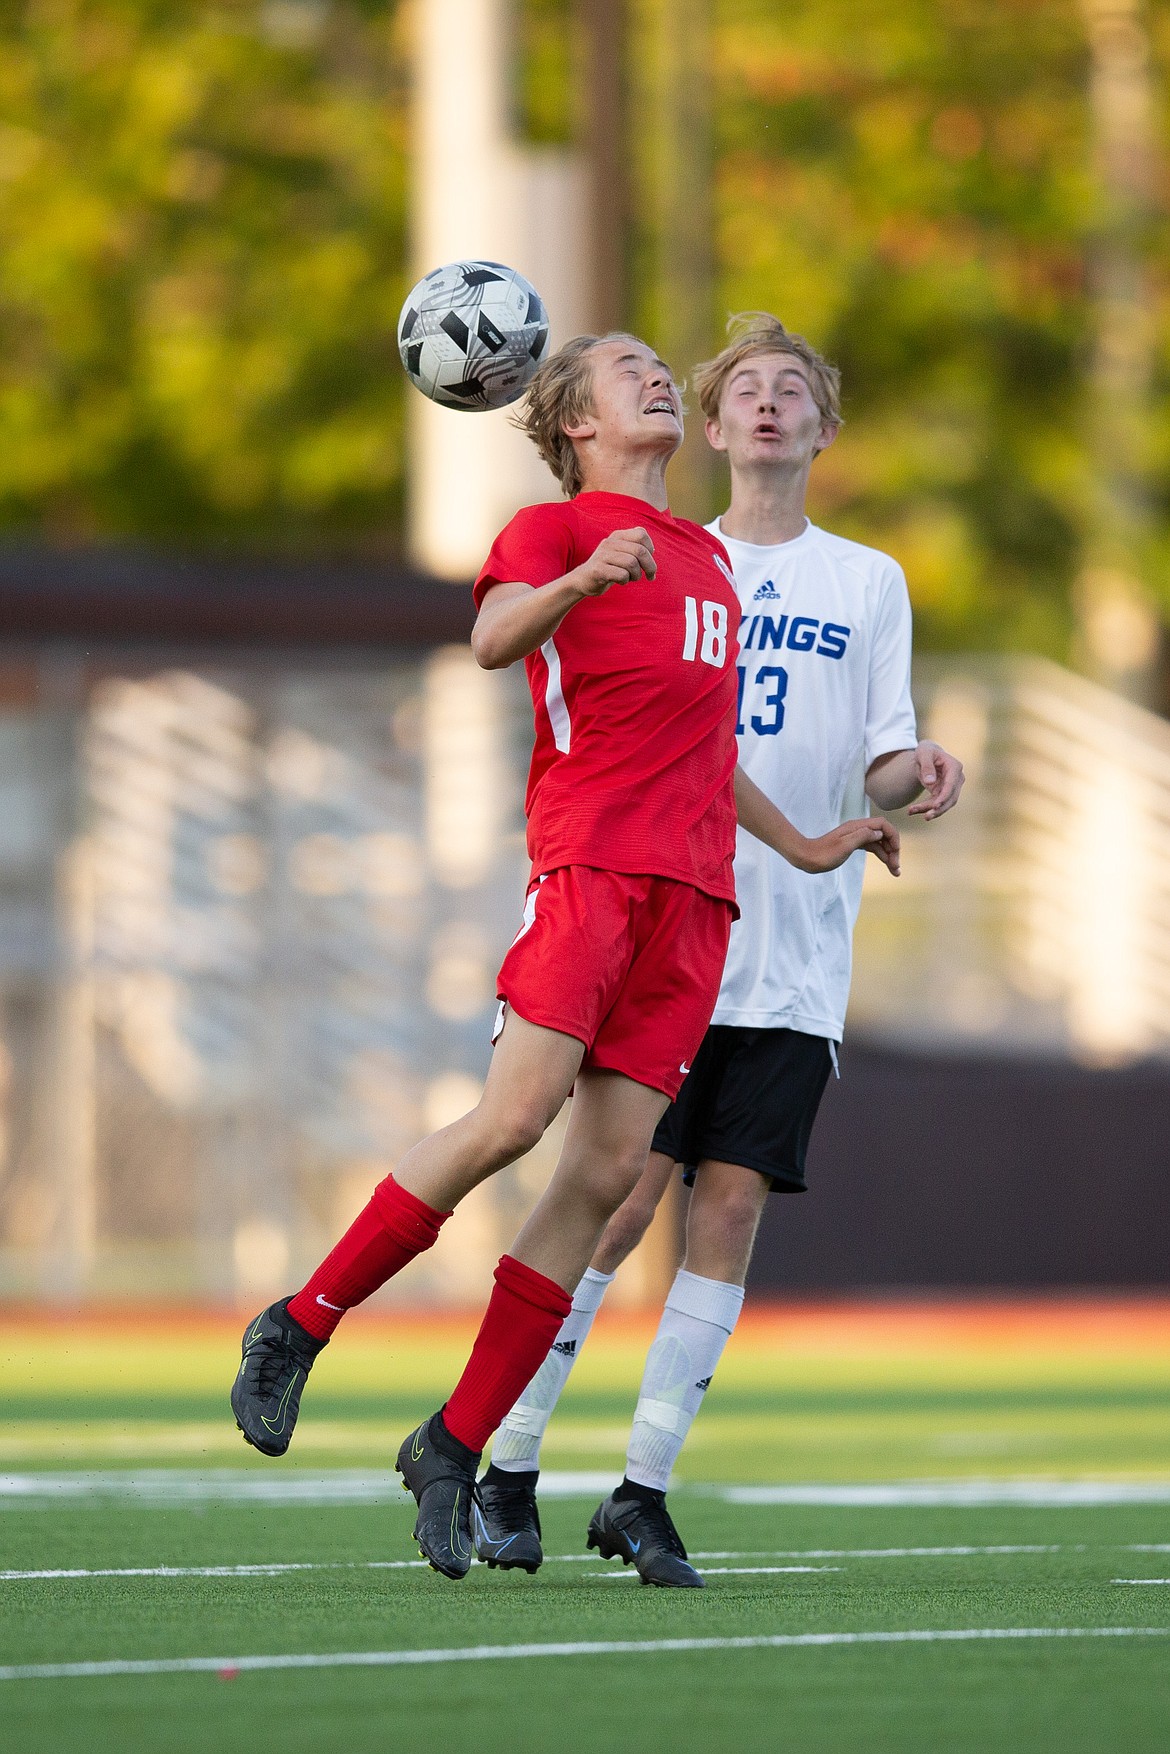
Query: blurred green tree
x,y
202,257
910,183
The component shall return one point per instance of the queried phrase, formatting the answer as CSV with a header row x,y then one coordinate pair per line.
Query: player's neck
x,y
642,476
766,507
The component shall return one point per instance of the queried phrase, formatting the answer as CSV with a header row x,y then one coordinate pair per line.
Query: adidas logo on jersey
x,y
767,593
566,1348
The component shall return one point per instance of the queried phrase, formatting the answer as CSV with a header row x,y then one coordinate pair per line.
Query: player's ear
x,y
715,436
585,428
828,432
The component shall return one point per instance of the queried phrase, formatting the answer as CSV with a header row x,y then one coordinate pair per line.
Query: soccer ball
x,y
472,334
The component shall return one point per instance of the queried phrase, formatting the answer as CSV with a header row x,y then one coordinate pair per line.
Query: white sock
x,y
516,1448
698,1321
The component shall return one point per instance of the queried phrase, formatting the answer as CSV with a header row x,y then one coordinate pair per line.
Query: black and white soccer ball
x,y
472,334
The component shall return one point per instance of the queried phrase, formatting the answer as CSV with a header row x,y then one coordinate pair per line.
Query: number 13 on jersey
x,y
713,649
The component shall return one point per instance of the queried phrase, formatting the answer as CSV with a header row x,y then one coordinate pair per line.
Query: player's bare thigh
x,y
531,1073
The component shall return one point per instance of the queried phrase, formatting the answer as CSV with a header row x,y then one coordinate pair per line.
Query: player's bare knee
x,y
523,1134
721,1227
509,1134
614,1179
740,1213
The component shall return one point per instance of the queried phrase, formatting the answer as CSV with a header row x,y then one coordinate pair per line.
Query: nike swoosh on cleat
x,y
634,1546
276,1426
250,1340
459,1551
482,1534
481,1531
416,1449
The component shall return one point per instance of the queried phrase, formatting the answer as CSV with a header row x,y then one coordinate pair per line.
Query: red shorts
x,y
631,966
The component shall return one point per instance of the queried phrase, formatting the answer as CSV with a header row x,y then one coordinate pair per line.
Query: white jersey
x,y
824,675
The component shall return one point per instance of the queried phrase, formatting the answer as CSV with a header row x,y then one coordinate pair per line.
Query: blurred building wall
x,y
937,1169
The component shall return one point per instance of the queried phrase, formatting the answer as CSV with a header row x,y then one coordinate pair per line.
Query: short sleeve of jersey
x,y
890,722
535,548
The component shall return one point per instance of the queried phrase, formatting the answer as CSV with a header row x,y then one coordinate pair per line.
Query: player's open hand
x,y
872,834
622,558
941,777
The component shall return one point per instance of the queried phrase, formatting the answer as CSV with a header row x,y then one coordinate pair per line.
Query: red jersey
x,y
634,697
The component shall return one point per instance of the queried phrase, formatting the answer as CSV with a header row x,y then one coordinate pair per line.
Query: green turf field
x,y
855,1496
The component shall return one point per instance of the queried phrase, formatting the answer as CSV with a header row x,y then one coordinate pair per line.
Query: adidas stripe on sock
x,y
516,1449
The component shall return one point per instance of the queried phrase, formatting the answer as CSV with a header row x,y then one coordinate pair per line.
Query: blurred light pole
x,y
674,91
603,112
478,191
1120,632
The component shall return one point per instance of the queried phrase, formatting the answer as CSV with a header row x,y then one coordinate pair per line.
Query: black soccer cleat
x,y
639,1532
266,1395
506,1522
440,1471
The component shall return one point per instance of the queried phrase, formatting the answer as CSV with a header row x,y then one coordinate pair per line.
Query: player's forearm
x,y
892,780
517,619
760,817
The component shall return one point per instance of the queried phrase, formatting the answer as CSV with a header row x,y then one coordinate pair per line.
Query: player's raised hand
x,y
872,834
619,560
941,777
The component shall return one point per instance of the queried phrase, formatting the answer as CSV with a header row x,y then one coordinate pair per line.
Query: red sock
x,y
382,1239
523,1319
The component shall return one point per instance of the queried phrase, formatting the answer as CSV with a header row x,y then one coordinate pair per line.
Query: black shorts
x,y
751,1097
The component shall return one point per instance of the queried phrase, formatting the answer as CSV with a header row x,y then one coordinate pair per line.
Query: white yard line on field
x,y
958,1494
228,1667
170,1487
278,1567
962,1493
881,1552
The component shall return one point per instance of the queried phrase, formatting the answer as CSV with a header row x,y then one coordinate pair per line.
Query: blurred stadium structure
x,y
1038,917
251,911
248,957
